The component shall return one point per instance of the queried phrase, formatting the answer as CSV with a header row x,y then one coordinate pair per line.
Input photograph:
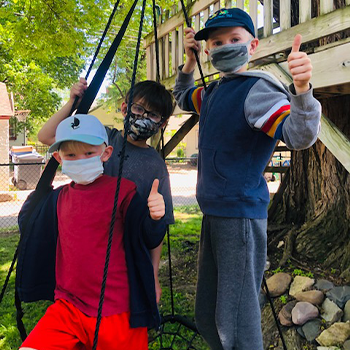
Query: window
x,y
13,128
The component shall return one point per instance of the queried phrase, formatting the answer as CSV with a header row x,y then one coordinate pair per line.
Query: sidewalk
x,y
183,180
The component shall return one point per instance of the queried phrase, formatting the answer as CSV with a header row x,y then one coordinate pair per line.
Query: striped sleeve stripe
x,y
195,99
272,120
199,98
261,121
278,133
278,122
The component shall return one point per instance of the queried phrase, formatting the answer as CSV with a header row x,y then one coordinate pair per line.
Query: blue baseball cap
x,y
80,127
233,17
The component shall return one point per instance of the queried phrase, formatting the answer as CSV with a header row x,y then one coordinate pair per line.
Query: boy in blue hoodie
x,y
241,118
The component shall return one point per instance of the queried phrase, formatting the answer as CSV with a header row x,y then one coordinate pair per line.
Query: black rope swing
x,y
176,331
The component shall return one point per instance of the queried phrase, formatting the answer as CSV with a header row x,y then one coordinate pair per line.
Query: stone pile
x,y
319,310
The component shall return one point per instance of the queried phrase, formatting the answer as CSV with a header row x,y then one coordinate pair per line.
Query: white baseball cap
x,y
80,127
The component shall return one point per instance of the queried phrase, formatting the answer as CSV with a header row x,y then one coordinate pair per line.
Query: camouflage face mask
x,y
230,58
142,128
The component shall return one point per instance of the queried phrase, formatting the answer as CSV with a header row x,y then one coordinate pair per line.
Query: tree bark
x,y
316,202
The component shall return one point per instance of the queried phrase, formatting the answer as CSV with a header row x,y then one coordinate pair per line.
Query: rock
x,y
336,334
301,332
300,284
324,285
314,297
303,312
285,315
331,312
340,295
312,329
278,283
327,348
346,316
346,345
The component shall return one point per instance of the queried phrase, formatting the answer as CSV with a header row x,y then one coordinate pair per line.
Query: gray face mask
x,y
230,58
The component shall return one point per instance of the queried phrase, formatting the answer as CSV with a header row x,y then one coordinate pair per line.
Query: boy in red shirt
x,y
84,210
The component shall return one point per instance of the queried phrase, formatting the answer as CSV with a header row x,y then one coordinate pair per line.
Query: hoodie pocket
x,y
211,184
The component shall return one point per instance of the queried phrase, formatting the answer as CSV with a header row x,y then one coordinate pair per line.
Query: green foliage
x,y
45,45
284,299
180,153
279,269
299,272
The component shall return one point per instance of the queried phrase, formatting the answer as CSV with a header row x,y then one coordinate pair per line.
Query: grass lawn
x,y
184,247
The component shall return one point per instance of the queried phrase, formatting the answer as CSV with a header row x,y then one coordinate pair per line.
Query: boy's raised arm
x,y
191,46
300,67
47,133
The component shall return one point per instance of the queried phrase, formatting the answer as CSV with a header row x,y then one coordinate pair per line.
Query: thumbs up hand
x,y
300,67
156,203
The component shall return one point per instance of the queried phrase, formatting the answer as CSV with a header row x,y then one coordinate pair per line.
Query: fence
x,y
17,181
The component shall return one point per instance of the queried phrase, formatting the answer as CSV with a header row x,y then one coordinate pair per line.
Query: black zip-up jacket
x,y
35,278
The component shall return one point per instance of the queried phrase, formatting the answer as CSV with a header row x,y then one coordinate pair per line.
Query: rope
x,y
163,156
156,40
96,52
46,179
8,275
195,52
274,313
122,156
168,242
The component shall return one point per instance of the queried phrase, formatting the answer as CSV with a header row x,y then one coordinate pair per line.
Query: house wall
x,y
190,140
20,140
4,153
108,117
5,113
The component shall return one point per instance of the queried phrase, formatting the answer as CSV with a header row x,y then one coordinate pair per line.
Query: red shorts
x,y
64,327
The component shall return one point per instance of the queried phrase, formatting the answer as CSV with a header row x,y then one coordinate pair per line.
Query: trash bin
x,y
27,175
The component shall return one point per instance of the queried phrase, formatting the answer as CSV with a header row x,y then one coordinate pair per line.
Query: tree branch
x,y
120,91
288,247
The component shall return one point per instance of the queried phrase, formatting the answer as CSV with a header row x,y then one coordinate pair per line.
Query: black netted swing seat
x,y
176,332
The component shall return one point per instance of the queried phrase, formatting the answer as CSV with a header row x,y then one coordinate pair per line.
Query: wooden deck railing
x,y
275,36
330,59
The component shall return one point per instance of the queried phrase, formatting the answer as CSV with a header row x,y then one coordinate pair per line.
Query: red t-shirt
x,y
84,215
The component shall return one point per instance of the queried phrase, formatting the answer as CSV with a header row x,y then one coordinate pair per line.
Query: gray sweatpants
x,y
231,263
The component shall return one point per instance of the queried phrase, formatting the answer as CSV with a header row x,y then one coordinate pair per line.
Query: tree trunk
x,y
316,202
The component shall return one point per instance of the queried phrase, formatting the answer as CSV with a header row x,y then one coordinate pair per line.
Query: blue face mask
x,y
230,58
83,171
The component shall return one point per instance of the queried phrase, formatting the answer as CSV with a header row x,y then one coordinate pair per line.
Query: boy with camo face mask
x,y
152,106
